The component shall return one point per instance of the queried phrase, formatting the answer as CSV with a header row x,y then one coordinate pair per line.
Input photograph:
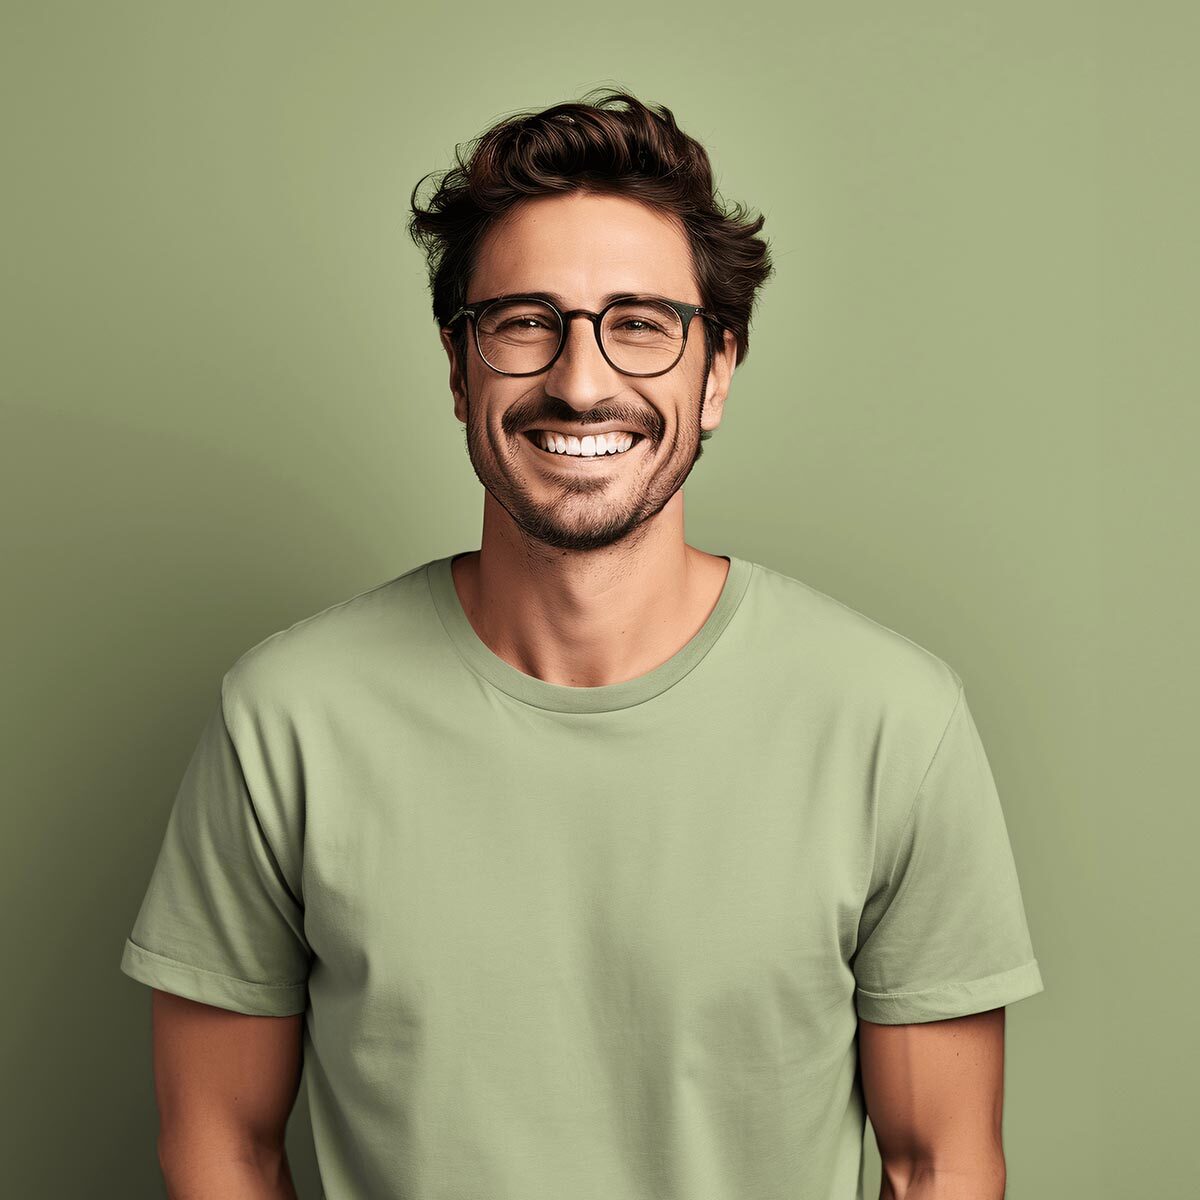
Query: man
x,y
587,864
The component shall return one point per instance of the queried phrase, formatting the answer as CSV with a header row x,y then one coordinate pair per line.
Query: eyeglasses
x,y
638,335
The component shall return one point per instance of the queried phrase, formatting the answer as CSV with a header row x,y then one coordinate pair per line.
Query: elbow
x,y
981,1179
216,1163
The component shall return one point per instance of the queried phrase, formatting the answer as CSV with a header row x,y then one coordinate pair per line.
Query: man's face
x,y
580,248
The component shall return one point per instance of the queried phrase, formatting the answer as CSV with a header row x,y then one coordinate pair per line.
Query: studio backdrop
x,y
226,408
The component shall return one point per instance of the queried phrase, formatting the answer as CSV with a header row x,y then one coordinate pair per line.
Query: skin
x,y
583,578
935,1095
225,1084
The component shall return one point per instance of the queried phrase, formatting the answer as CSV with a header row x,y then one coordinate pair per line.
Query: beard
x,y
573,511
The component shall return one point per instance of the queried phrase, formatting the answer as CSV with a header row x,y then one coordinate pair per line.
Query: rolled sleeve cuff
x,y
212,987
950,999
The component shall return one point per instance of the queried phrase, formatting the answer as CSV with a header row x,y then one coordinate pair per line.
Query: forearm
x,y
925,1182
201,1172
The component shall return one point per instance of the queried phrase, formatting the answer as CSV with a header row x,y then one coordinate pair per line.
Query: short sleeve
x,y
219,922
945,935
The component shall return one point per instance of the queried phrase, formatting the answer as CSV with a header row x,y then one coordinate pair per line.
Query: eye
x,y
522,323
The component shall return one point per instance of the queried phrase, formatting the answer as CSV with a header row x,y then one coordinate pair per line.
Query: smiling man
x,y
586,864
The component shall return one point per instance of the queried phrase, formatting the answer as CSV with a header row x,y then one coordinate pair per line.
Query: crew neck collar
x,y
559,697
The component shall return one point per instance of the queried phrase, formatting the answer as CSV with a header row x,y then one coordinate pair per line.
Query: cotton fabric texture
x,y
587,942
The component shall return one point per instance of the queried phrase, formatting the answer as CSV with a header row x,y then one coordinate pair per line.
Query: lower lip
x,y
590,460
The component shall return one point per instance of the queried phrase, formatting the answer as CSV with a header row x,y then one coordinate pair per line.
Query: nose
x,y
581,376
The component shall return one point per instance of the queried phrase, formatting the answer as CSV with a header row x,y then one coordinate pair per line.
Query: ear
x,y
716,388
458,383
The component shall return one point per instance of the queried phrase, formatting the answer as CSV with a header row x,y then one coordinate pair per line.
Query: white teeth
x,y
591,446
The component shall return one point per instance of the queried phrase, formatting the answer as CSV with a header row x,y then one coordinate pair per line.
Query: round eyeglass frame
x,y
686,312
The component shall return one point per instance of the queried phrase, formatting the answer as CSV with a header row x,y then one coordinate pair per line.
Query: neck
x,y
588,618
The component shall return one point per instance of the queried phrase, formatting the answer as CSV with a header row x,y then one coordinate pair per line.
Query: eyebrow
x,y
561,301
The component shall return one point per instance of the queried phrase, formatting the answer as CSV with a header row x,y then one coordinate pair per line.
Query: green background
x,y
969,411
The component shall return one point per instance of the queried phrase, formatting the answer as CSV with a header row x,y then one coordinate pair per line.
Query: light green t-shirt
x,y
587,943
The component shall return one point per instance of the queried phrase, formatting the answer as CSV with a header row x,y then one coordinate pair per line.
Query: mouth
x,y
602,448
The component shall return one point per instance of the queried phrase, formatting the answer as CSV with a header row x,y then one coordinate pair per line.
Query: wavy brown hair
x,y
608,142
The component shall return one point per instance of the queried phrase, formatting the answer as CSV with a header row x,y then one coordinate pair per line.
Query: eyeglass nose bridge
x,y
565,331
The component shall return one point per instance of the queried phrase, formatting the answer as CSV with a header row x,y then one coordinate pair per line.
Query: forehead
x,y
583,247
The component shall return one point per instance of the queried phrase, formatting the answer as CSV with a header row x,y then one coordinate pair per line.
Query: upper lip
x,y
589,431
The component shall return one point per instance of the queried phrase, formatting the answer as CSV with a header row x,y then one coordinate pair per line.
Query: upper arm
x,y
934,1091
222,1077
942,931
222,919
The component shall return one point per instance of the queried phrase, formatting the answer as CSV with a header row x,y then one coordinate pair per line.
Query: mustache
x,y
518,419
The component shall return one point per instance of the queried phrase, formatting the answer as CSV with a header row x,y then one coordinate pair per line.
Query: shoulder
x,y
865,693
309,660
851,660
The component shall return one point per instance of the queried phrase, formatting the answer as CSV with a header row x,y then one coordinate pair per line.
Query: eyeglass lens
x,y
522,336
